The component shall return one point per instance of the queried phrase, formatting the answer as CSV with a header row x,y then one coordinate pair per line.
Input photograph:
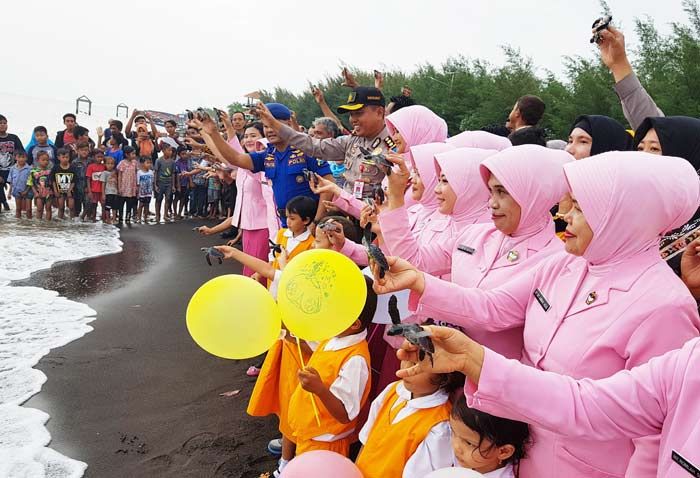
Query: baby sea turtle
x,y
374,253
414,333
378,159
274,247
213,252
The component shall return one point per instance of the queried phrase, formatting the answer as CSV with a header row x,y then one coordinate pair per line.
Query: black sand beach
x,y
136,397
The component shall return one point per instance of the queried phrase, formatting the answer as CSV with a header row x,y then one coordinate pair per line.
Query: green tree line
x,y
472,93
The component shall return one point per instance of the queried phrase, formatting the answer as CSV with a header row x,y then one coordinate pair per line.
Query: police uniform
x,y
361,176
285,169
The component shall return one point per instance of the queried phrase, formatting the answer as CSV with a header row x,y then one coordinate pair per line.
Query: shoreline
x,y
136,396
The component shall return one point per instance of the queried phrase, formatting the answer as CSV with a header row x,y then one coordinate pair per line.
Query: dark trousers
x,y
198,200
3,185
130,204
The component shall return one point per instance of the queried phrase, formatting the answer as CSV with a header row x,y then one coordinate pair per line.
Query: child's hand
x,y
100,131
255,277
227,251
310,380
282,259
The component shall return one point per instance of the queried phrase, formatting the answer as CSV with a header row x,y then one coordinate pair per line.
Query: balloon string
x,y
313,402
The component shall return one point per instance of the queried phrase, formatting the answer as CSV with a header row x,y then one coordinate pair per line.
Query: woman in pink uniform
x,y
659,397
527,181
479,139
608,304
249,213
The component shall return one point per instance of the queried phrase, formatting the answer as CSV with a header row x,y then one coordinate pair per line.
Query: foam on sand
x,y
32,322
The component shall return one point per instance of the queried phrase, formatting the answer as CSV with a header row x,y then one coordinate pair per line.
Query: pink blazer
x,y
581,325
658,397
250,203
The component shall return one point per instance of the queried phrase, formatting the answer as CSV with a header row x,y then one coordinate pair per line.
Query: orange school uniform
x,y
328,363
276,383
278,376
390,445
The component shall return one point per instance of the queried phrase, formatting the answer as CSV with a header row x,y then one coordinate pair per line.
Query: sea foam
x,y
32,322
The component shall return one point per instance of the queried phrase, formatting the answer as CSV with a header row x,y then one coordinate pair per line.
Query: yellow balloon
x,y
321,293
233,317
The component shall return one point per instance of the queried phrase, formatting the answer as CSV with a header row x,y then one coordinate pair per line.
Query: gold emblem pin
x,y
591,298
513,256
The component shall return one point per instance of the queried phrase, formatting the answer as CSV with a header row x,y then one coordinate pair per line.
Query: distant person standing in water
x,y
10,145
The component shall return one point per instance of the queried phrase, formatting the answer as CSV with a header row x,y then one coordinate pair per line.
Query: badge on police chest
x,y
357,189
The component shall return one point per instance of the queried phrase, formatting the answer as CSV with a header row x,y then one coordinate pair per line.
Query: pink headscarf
x,y
479,139
630,199
534,177
417,125
424,162
461,168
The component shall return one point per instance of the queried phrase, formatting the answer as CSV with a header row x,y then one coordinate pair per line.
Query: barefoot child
x,y
42,189
93,174
19,175
110,191
64,179
407,434
145,179
490,445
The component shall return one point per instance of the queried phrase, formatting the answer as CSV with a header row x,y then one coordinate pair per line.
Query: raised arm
x,y
325,109
154,128
636,102
331,149
435,257
229,154
127,128
493,310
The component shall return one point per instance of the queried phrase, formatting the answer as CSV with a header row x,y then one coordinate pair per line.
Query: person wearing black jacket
x,y
10,145
65,137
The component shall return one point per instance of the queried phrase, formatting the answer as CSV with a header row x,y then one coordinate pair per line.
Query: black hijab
x,y
607,133
679,136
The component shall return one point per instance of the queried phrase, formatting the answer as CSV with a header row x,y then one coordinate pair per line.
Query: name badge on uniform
x,y
685,464
541,299
466,249
357,189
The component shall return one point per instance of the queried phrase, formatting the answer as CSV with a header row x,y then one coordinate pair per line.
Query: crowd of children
x,y
114,180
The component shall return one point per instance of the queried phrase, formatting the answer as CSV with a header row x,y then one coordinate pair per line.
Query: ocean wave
x,y
32,322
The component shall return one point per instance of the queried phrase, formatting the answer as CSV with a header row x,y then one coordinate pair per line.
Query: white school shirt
x,y
350,384
436,450
505,472
292,243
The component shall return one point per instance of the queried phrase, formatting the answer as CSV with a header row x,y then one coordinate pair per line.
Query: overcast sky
x,y
173,54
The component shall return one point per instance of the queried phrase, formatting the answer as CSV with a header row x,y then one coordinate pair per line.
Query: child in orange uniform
x,y
337,378
407,434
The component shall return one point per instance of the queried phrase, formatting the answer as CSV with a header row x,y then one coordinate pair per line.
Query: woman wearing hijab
x,y
594,134
479,139
659,397
524,182
673,136
609,303
591,135
409,127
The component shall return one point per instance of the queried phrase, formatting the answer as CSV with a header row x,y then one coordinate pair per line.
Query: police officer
x,y
366,108
287,167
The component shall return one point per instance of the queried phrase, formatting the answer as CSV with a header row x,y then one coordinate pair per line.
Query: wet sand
x,y
136,397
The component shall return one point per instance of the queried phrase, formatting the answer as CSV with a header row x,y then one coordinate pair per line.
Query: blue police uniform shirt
x,y
285,169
